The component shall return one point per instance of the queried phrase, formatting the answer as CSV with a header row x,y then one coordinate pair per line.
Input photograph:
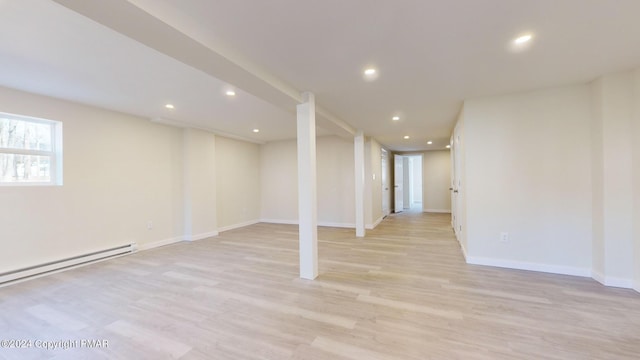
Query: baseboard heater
x,y
55,266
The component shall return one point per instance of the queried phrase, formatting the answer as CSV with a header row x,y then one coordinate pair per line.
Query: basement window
x,y
30,151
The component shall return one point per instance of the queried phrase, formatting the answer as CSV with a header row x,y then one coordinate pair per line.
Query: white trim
x,y
323,224
375,224
155,244
278,221
612,281
337,225
636,286
237,226
27,152
54,155
464,252
520,265
440,211
598,276
200,236
619,282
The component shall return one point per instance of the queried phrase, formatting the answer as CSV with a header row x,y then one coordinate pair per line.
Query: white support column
x,y
358,143
307,192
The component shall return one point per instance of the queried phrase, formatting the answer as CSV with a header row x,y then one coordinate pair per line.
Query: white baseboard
x,y
598,276
156,244
237,226
440,211
636,287
619,282
200,236
510,264
279,221
375,224
321,223
337,225
612,281
464,252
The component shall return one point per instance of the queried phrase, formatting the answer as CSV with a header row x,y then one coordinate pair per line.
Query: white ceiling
x,y
431,55
65,55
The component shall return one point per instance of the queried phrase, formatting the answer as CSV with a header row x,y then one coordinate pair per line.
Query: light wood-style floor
x,y
403,292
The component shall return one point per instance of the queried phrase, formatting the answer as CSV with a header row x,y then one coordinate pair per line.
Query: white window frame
x,y
54,155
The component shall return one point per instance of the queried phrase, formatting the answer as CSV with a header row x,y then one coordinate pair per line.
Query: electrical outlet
x,y
149,225
504,237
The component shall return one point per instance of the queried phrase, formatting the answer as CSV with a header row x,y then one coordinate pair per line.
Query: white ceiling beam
x,y
184,125
330,122
135,23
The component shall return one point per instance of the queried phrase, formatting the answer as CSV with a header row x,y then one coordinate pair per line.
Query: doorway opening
x,y
385,177
407,186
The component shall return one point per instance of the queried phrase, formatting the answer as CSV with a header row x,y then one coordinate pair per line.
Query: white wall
x,y
237,183
416,178
279,185
436,178
612,99
336,182
373,184
528,173
559,169
199,184
406,183
597,177
636,178
119,173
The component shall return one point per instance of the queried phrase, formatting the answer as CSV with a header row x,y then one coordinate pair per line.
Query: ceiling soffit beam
x,y
329,122
184,125
135,23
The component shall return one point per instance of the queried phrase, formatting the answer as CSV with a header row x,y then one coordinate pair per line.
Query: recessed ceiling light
x,y
523,39
395,118
170,106
230,93
521,43
406,137
429,142
448,146
256,130
370,74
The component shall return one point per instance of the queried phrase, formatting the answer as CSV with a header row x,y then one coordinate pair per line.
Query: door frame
x,y
398,174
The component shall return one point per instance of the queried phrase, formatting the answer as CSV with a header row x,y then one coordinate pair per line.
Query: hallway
x,y
403,292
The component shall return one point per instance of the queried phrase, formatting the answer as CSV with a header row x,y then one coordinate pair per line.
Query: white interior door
x,y
457,183
454,211
386,193
416,183
398,183
406,182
